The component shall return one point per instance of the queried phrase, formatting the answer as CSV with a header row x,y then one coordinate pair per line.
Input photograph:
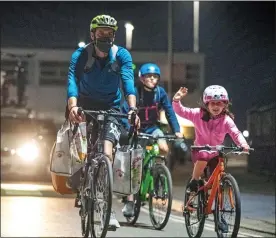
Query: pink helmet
x,y
215,93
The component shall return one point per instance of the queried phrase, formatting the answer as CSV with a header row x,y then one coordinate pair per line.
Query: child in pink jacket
x,y
212,122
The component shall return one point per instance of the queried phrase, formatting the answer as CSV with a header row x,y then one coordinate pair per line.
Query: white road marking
x,y
22,193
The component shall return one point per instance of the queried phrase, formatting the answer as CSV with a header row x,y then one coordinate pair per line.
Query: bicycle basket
x,y
127,170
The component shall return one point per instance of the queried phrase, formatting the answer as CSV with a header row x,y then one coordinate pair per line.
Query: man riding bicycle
x,y
151,98
94,78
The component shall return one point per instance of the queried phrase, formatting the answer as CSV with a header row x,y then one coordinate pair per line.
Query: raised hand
x,y
182,92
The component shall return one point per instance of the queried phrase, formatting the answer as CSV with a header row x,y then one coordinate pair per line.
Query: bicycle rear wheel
x,y
194,215
229,190
161,195
102,196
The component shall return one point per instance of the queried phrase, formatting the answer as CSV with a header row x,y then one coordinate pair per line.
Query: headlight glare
x,y
28,152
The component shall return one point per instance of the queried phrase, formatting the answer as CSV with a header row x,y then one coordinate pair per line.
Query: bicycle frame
x,y
216,184
98,149
213,183
91,166
152,152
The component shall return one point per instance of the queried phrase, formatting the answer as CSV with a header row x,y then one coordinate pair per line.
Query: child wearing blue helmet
x,y
151,98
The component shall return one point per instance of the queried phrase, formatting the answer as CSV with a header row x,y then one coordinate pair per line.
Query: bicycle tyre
x,y
200,200
103,160
156,171
137,208
237,195
85,223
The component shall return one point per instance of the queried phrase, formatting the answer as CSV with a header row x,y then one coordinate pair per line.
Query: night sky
x,y
238,38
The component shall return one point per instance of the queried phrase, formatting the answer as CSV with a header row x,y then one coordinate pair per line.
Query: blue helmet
x,y
149,68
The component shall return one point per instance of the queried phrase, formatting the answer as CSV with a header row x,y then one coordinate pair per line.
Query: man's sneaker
x,y
128,210
113,221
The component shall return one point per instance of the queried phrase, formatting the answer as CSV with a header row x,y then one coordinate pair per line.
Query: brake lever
x,y
80,110
133,117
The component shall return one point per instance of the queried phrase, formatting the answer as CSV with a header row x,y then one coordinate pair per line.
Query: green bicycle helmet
x,y
103,21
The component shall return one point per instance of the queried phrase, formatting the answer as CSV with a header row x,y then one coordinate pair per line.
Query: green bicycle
x,y
156,185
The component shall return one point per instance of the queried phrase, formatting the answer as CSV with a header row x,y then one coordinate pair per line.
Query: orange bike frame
x,y
214,182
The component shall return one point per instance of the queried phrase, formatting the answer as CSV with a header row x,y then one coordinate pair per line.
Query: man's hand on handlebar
x,y
133,118
74,116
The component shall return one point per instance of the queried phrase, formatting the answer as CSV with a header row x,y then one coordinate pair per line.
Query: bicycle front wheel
x,y
160,197
228,193
102,187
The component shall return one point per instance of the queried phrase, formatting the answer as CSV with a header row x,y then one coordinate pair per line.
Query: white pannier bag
x,y
127,170
65,159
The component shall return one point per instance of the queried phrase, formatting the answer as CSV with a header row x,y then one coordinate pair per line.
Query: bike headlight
x,y
28,152
245,133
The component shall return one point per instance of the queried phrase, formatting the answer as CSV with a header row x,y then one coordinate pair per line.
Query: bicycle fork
x,y
147,185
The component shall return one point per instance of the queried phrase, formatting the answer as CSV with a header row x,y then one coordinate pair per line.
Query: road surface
x,y
35,211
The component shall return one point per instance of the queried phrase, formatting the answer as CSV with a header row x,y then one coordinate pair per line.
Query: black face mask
x,y
104,44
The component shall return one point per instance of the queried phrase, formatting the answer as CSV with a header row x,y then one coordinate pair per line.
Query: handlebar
x,y
149,136
101,112
219,148
114,114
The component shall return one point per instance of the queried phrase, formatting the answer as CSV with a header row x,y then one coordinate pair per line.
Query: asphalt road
x,y
43,214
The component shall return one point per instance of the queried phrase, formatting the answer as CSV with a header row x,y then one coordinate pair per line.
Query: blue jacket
x,y
149,105
100,84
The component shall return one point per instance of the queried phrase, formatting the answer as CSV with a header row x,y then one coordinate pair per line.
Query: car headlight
x,y
28,152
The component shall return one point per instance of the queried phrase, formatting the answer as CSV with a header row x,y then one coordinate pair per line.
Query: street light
x,y
170,48
196,26
81,44
129,28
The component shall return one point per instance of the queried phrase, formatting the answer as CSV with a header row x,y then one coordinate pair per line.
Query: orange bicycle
x,y
217,188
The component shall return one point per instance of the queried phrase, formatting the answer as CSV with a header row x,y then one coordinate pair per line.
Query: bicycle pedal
x,y
77,204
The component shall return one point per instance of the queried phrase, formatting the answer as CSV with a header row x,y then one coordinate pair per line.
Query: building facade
x,y
47,75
